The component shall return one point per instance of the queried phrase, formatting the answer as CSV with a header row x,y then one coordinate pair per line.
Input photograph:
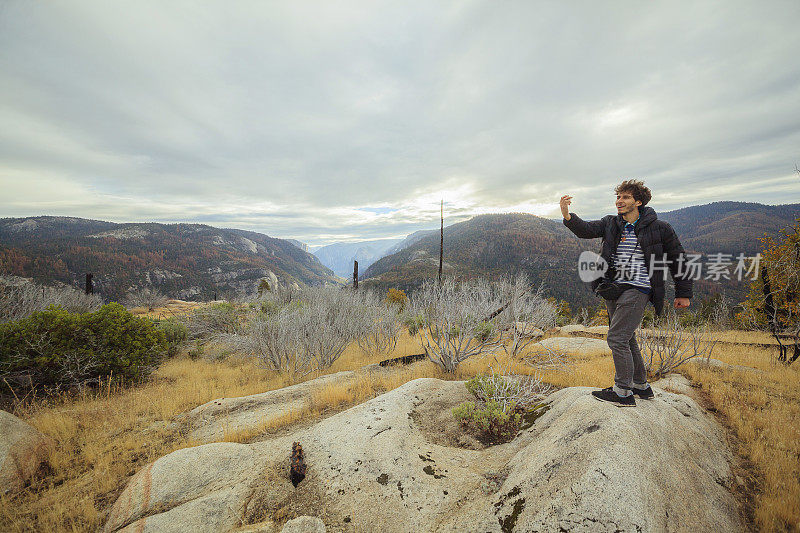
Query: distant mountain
x,y
730,227
187,261
411,239
492,245
339,256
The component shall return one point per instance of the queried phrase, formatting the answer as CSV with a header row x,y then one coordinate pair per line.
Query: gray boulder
x,y
22,450
213,420
204,488
399,462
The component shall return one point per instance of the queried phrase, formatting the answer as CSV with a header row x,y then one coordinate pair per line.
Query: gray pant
x,y
624,316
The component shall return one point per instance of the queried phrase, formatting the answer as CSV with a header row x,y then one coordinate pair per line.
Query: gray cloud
x,y
325,121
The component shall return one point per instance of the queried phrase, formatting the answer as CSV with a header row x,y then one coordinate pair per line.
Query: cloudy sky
x,y
327,121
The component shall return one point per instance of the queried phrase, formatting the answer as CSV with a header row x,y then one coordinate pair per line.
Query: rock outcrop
x,y
398,463
576,345
22,450
213,420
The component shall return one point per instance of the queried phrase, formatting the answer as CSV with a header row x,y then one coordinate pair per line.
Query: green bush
x,y
55,348
688,319
649,317
413,322
481,387
492,424
175,334
483,331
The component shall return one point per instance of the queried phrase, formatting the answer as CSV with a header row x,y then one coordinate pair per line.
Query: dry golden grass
x,y
763,411
102,438
744,337
105,437
172,308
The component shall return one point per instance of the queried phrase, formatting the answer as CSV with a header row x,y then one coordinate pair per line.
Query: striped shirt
x,y
629,260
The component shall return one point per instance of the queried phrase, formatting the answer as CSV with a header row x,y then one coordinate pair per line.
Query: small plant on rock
x,y
489,420
504,399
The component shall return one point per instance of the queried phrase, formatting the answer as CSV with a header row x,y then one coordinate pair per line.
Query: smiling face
x,y
626,203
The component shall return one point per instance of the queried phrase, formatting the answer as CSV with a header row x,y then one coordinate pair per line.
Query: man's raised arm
x,y
581,228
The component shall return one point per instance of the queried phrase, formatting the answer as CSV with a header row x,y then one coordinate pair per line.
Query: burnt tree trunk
x,y
355,274
297,470
441,243
89,286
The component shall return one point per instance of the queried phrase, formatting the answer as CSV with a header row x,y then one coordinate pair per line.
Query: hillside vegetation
x,y
186,261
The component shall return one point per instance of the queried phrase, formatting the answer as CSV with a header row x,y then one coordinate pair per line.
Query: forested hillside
x,y
188,261
491,245
730,227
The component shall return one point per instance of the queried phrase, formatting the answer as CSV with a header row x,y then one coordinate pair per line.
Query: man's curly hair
x,y
636,188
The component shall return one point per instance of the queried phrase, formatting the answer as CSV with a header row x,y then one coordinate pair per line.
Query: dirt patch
x,y
434,419
274,500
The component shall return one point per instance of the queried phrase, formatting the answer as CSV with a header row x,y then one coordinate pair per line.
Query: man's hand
x,y
681,303
565,201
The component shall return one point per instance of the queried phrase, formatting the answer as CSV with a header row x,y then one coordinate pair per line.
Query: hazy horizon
x,y
433,225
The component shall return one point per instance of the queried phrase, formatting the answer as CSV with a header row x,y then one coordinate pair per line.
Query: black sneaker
x,y
608,395
645,394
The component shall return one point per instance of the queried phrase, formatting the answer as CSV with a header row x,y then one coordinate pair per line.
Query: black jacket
x,y
655,237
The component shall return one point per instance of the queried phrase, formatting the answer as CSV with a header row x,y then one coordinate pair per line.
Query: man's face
x,y
626,203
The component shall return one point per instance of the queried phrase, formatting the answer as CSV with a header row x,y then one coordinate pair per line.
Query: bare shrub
x,y
310,333
454,320
146,297
720,314
377,323
332,322
276,296
582,317
213,322
277,340
667,345
20,300
525,310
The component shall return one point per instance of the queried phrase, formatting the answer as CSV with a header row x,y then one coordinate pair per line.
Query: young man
x,y
639,249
